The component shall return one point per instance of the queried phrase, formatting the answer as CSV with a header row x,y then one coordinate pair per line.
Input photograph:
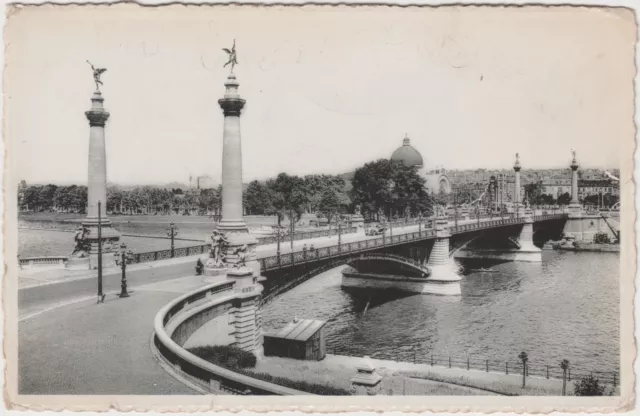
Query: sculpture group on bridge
x,y
219,245
83,246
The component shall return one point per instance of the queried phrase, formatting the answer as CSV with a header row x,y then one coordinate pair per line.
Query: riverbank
x,y
404,378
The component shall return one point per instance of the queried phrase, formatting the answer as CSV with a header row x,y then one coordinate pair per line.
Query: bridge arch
x,y
356,261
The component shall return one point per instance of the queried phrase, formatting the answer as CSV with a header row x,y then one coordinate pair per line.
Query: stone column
x,y
442,280
516,192
232,209
242,245
97,192
575,209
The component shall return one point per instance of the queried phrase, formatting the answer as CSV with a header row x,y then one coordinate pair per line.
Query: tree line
x,y
378,188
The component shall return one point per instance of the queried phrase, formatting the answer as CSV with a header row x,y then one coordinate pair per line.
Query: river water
x,y
566,307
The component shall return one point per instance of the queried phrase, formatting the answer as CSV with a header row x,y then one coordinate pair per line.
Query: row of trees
x,y
377,188
139,200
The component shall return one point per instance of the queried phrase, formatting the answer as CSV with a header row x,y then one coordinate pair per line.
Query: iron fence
x,y
304,235
290,259
166,254
539,370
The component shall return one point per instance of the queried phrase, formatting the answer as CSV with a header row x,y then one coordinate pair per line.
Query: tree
x,y
329,204
589,386
564,364
524,358
371,187
564,199
288,198
256,198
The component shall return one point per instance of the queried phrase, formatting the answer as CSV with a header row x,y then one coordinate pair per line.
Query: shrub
x,y
589,386
601,238
321,389
237,360
225,356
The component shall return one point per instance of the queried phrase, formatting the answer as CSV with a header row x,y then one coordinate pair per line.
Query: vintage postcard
x,y
319,208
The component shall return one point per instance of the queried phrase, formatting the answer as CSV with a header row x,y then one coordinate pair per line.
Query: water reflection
x,y
564,307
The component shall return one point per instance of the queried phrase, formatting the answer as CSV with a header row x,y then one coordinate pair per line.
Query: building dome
x,y
407,154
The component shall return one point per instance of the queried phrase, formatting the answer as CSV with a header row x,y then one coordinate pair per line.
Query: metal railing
x,y
304,235
304,256
507,367
166,254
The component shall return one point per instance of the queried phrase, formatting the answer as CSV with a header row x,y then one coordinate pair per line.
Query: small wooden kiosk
x,y
301,339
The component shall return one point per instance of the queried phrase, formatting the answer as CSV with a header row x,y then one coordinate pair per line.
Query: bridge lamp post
x,y
339,223
172,232
123,258
279,233
420,224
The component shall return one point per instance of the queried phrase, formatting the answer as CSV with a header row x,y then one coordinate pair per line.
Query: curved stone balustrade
x,y
180,318
42,261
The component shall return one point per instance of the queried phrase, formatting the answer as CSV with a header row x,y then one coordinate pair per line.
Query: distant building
x,y
597,187
437,180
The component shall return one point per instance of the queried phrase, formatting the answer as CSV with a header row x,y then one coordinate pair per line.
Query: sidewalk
x,y
31,277
89,348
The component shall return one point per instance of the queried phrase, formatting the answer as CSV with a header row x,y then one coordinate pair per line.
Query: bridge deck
x,y
327,247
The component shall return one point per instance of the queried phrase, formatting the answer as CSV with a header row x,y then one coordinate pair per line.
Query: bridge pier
x,y
525,251
443,279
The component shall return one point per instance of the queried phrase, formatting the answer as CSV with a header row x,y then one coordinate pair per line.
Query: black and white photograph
x,y
385,206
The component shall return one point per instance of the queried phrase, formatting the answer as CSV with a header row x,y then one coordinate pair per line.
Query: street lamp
x,y
123,258
172,231
420,224
279,232
339,223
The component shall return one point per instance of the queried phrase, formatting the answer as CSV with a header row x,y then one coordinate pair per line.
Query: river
x,y
566,307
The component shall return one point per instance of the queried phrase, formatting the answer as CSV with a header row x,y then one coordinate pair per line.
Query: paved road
x,y
85,348
37,299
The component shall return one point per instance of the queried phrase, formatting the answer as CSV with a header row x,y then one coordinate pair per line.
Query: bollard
x,y
487,364
506,368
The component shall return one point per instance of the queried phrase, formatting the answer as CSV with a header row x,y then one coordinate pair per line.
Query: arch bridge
x,y
412,254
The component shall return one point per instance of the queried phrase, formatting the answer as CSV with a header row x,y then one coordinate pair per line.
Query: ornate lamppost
x,y
123,258
172,232
420,218
339,223
278,232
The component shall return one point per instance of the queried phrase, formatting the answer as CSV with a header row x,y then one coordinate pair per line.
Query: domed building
x,y
407,154
437,180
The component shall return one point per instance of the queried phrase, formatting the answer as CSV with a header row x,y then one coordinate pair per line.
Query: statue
x,y
573,152
97,72
241,252
83,246
219,246
232,56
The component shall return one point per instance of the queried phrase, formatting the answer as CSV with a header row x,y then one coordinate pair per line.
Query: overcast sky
x,y
327,89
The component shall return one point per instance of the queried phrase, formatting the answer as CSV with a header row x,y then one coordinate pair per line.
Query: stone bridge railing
x,y
348,249
208,376
42,261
